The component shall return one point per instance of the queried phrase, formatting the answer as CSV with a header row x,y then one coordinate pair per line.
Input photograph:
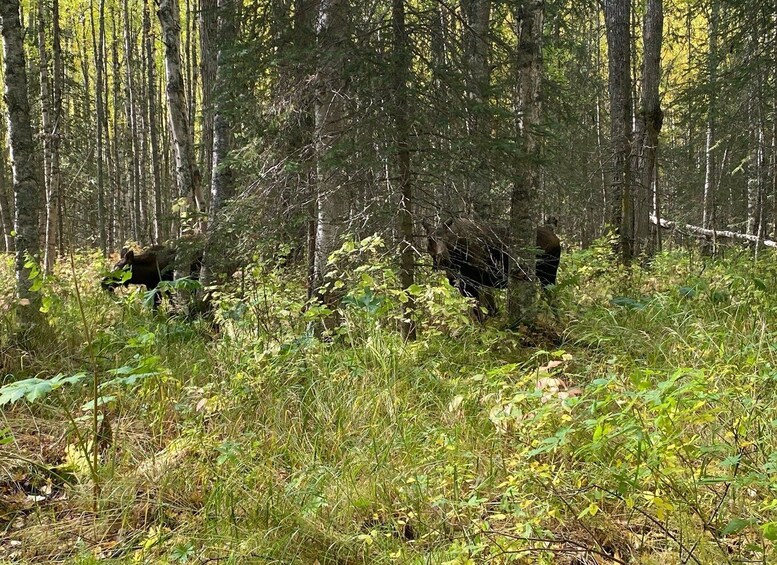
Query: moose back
x,y
475,256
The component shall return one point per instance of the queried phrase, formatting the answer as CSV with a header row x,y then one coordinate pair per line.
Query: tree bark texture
x,y
187,174
210,40
221,180
47,135
332,205
25,158
161,225
477,17
649,122
525,191
621,215
401,108
98,47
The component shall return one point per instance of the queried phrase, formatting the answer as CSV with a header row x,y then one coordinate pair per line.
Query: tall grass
x,y
646,436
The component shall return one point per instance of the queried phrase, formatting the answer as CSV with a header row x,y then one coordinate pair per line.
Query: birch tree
x,y
187,173
25,159
161,227
332,206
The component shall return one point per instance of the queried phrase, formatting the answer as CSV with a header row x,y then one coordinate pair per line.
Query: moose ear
x,y
427,226
129,256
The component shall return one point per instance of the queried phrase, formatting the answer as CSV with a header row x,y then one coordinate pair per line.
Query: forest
x,y
400,281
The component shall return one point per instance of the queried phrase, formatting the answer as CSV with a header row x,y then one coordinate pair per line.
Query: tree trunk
x,y
161,226
477,17
650,119
187,174
126,204
6,214
47,134
55,214
305,13
521,291
99,50
621,214
708,203
401,108
332,205
221,183
130,106
209,32
26,162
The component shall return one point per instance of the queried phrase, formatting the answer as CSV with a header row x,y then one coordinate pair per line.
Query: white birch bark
x,y
332,205
25,159
187,174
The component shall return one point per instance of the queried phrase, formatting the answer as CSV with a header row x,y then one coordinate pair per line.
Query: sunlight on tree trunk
x,y
26,162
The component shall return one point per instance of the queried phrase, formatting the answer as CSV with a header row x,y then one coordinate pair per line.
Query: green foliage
x,y
35,389
655,414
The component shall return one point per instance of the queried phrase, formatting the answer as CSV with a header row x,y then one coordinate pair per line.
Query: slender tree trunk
x,y
521,291
130,106
208,36
401,112
47,134
26,162
305,13
187,174
477,17
600,145
99,50
333,206
56,137
6,214
112,177
87,110
221,183
118,208
621,214
161,226
773,165
649,121
708,204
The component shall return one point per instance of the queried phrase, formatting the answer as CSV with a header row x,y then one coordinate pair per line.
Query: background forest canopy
x,y
101,105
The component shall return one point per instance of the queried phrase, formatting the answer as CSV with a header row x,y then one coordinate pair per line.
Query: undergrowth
x,y
638,427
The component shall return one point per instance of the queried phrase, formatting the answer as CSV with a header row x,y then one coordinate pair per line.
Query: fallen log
x,y
717,234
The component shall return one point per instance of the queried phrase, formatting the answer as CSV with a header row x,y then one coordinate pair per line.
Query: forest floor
x,y
635,424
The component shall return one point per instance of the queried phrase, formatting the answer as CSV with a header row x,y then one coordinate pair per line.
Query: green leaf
x,y
769,530
737,525
627,302
34,389
759,283
101,401
39,390
6,436
687,291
